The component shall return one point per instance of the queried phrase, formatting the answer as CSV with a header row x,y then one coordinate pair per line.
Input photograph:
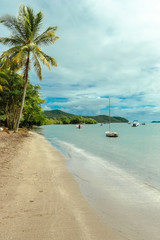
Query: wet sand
x,y
39,199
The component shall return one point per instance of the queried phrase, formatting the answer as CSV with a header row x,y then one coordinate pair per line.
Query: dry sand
x,y
39,199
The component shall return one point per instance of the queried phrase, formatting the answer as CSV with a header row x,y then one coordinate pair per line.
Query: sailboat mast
x,y
109,116
110,133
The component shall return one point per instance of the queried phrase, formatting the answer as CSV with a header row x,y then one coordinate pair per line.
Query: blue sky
x,y
107,48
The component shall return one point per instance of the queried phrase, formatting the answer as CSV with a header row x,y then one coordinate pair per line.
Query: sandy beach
x,y
39,199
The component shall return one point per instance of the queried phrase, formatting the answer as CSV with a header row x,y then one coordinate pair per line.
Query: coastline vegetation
x,y
58,116
70,120
10,101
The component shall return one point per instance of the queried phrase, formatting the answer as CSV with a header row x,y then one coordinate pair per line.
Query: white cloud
x,y
106,48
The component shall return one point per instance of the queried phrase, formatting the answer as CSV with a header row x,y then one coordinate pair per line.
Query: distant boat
x,y
143,123
129,122
79,125
110,133
135,123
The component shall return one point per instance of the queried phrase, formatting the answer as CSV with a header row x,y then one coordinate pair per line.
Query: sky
x,y
106,49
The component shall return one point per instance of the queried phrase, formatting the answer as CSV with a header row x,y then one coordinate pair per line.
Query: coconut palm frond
x,y
23,21
10,52
12,41
14,57
45,59
12,24
6,55
37,67
21,10
8,64
35,21
37,24
51,60
47,37
31,22
9,21
20,56
28,32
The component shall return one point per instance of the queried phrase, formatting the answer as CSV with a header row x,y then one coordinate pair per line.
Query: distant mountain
x,y
56,114
100,118
105,119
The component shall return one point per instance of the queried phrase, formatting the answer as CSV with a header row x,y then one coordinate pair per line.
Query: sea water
x,y
119,177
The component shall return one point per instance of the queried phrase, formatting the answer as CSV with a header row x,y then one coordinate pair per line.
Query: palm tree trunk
x,y
25,77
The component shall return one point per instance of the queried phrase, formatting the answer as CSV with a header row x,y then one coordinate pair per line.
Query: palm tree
x,y
26,40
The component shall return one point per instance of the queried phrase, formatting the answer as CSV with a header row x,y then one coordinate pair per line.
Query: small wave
x,y
97,166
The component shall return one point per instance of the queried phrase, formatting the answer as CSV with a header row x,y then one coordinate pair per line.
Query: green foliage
x,y
90,121
10,97
50,121
69,120
10,101
76,119
32,112
65,120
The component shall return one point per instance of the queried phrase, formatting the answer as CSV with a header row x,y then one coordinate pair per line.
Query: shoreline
x,y
40,199
125,204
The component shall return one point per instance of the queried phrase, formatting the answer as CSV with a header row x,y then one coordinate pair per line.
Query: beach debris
x,y
4,130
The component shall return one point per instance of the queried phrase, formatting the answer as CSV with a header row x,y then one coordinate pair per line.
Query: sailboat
x,y
110,133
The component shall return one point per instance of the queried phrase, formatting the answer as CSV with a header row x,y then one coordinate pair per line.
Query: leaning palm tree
x,y
25,42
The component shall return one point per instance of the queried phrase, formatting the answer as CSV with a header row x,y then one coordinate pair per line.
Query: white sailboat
x,y
110,133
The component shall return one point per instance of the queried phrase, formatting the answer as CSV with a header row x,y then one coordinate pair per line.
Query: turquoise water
x,y
136,150
119,177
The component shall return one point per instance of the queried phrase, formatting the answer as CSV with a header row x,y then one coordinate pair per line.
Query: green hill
x,y
105,119
100,118
56,114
